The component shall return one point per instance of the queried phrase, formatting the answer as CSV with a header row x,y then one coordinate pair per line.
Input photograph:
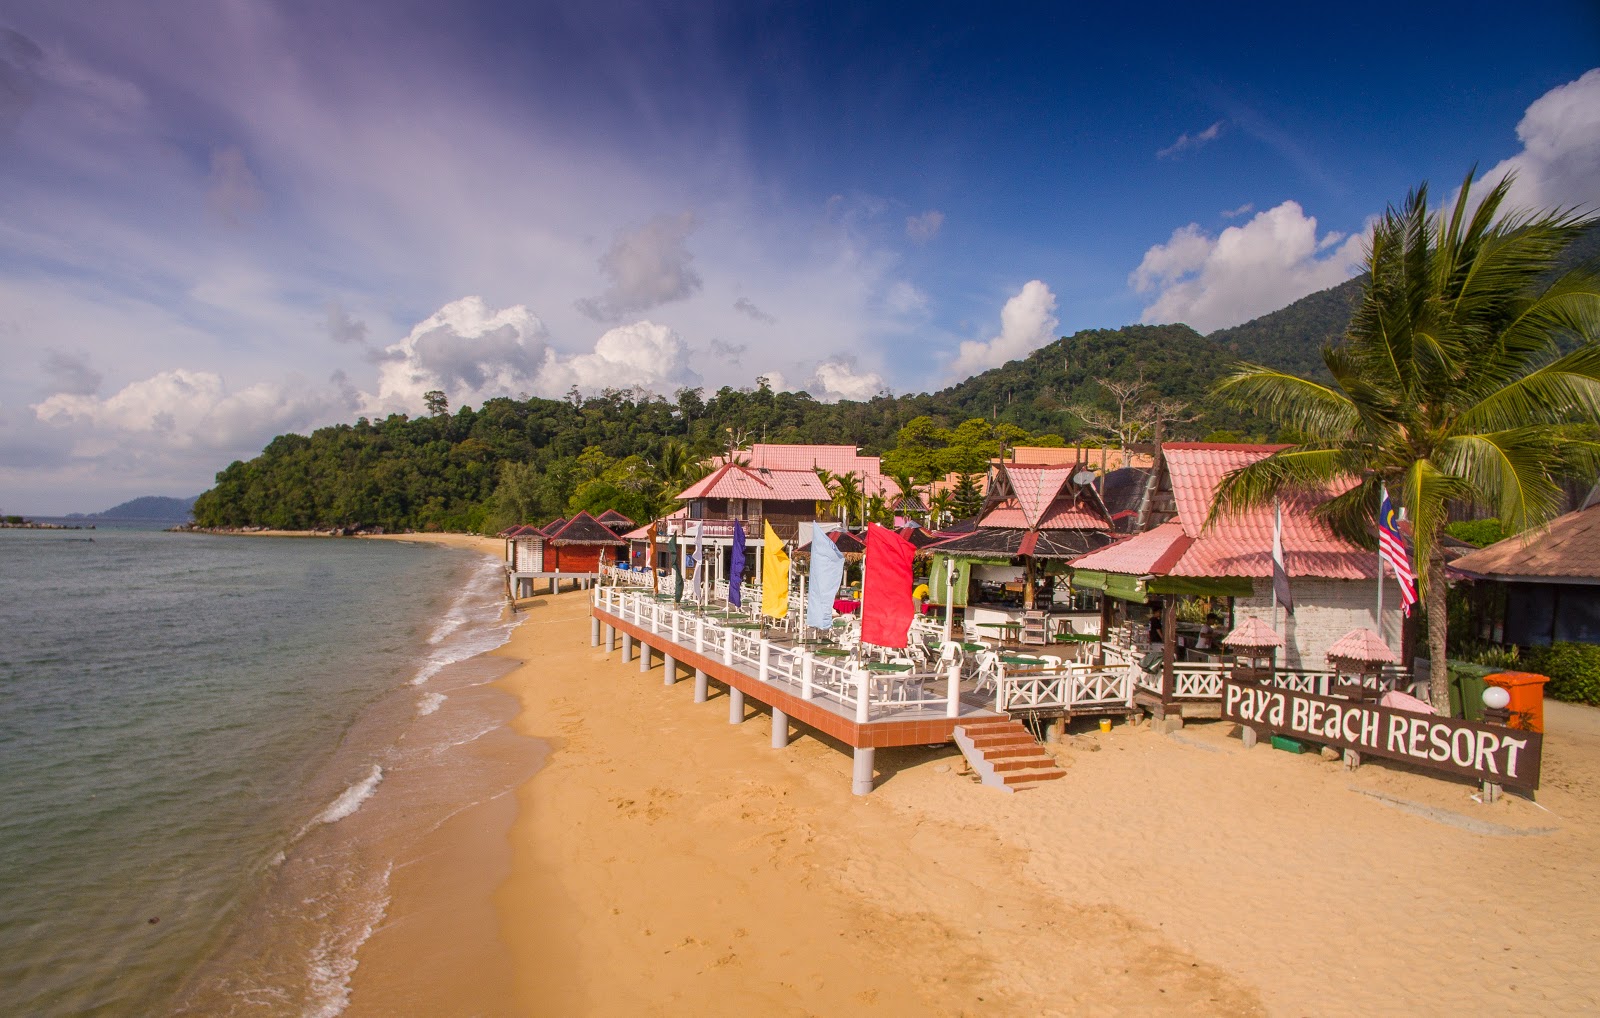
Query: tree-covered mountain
x,y
148,507
1291,339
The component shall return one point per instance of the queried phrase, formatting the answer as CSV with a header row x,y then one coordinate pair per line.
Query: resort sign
x,y
1492,753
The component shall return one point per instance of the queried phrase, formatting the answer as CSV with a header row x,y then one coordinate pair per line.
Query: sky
x,y
225,220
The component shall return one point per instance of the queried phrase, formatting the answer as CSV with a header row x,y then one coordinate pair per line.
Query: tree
x,y
940,506
436,402
1449,384
1133,416
965,498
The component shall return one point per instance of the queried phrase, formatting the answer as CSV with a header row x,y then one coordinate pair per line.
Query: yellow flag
x,y
774,574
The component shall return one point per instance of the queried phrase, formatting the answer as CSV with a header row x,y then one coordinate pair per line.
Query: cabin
x,y
1533,590
573,549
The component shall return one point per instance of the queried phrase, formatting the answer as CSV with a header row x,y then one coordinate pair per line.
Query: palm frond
x,y
1308,407
1566,389
1257,484
1512,470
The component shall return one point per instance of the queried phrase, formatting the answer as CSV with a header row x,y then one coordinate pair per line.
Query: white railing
x,y
1071,688
858,690
1197,679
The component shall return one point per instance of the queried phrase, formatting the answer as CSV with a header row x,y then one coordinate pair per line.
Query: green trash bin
x,y
1466,689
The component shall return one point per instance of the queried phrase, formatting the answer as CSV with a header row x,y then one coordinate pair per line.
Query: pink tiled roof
x,y
837,459
733,481
1241,544
1253,633
1066,516
1140,554
642,533
1035,487
1362,645
1568,549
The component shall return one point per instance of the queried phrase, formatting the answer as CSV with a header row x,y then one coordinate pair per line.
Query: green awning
x,y
1123,586
1203,586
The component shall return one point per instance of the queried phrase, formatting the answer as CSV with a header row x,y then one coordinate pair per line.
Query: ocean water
x,y
215,750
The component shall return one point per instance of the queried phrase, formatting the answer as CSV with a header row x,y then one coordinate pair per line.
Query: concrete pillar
x,y
863,696
594,631
610,637
861,779
701,692
627,647
808,667
780,729
953,708
763,650
644,656
669,669
735,706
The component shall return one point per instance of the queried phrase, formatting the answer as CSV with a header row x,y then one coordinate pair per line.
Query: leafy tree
x,y
436,402
1449,384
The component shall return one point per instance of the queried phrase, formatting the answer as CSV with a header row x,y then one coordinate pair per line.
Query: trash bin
x,y
1466,689
1527,698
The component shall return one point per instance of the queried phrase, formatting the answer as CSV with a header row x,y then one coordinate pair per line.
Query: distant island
x,y
148,507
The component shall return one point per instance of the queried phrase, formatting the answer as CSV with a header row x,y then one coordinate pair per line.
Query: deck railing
x,y
1074,687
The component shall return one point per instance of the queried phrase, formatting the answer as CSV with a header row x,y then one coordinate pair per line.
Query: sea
x,y
215,750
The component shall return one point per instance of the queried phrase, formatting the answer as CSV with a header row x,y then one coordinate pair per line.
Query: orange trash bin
x,y
1527,697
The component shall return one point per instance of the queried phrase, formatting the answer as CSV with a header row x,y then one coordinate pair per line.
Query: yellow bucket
x,y
1105,724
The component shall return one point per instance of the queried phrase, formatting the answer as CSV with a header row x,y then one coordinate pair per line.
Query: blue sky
x,y
221,221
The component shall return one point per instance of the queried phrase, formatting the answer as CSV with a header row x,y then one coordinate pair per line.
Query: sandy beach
x,y
663,861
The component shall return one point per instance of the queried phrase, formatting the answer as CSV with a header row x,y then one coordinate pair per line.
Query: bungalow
x,y
1332,581
565,549
1540,588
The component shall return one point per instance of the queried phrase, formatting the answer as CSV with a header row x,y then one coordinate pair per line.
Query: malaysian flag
x,y
1392,551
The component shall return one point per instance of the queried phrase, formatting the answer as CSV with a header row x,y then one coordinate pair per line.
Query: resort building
x,y
565,549
1534,590
1333,583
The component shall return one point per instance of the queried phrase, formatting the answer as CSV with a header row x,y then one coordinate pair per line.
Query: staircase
x,y
1005,755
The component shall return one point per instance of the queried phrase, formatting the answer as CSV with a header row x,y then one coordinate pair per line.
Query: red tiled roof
x,y
1065,516
834,458
1253,633
733,481
1035,487
1241,544
1140,554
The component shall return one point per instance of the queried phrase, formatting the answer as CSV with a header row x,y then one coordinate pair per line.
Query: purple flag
x,y
736,567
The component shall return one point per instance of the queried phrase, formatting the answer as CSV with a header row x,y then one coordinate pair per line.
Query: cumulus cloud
x,y
1559,164
840,378
233,194
1214,282
469,351
1027,322
745,306
646,267
182,409
925,227
71,374
1241,210
643,355
775,380
1189,142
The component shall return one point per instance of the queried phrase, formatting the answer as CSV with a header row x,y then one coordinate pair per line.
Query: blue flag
x,y
827,571
736,567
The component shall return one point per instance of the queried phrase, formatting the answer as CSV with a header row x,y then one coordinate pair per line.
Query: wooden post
x,y
1169,643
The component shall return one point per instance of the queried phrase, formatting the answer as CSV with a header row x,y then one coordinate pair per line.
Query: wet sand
x,y
665,862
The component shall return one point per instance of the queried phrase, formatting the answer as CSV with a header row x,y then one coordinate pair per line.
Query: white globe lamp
x,y
1496,697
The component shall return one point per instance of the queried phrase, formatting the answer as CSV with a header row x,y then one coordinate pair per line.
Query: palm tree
x,y
847,497
1449,385
909,502
939,508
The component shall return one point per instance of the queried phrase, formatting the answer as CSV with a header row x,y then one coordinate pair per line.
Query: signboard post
x,y
1489,754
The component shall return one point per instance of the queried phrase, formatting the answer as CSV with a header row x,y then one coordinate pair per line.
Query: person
x,y
1208,633
1154,606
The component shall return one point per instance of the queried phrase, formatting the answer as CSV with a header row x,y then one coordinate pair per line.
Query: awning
x,y
1127,587
1123,586
964,564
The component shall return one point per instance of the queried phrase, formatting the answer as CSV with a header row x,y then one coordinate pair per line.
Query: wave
x,y
351,798
429,703
333,960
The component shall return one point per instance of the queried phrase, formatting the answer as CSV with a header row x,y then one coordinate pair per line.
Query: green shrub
x,y
1573,668
1478,533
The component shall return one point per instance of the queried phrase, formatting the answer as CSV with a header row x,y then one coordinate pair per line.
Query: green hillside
x,y
1292,338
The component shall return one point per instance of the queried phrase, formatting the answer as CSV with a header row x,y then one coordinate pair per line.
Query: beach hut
x,y
1539,588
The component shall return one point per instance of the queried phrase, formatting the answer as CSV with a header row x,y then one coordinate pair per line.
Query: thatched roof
x,y
585,529
1009,542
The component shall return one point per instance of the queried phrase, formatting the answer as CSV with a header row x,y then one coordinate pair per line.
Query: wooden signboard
x,y
1491,753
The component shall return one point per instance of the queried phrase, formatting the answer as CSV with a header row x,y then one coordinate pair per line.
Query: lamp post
x,y
1496,701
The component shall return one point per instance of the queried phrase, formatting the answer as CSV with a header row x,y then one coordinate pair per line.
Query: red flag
x,y
886,607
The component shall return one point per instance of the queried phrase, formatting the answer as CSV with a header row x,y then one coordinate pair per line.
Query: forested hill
x,y
514,460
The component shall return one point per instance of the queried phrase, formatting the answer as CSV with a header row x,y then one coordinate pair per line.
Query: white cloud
x,y
925,227
1246,271
1027,322
643,355
182,409
647,267
775,381
839,378
1188,142
468,351
1241,210
1559,164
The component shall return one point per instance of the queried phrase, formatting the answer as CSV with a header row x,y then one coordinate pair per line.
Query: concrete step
x,y
1023,763
1012,779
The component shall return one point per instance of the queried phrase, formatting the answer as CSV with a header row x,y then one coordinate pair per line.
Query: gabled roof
x,y
1241,544
834,458
584,529
615,520
1362,645
553,526
1042,498
643,533
1568,550
733,481
525,531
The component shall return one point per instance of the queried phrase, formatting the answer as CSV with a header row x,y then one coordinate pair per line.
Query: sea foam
x,y
351,798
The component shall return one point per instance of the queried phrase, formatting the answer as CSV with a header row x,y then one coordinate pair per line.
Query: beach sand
x,y
664,862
